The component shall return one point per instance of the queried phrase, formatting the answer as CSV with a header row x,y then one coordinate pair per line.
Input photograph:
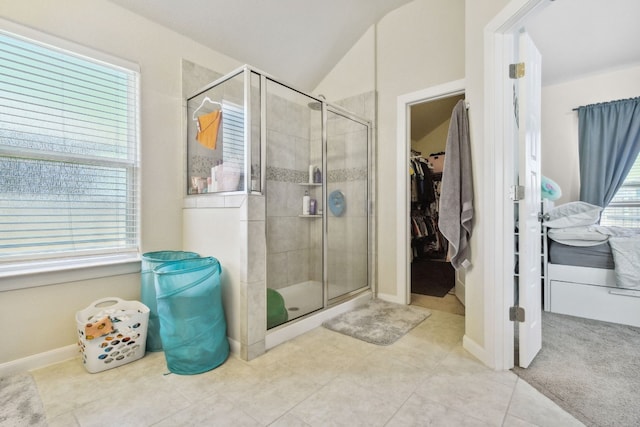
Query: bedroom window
x,y
69,165
624,208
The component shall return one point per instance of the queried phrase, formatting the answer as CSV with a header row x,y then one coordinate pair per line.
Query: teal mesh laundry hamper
x,y
151,260
193,327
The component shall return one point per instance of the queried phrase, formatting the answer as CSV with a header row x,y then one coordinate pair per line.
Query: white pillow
x,y
578,236
572,214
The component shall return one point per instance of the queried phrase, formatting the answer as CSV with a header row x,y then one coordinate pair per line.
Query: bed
x,y
591,271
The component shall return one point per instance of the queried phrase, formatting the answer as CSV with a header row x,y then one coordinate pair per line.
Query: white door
x,y
529,293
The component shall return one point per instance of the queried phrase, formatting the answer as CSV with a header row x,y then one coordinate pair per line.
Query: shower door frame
x,y
326,107
335,109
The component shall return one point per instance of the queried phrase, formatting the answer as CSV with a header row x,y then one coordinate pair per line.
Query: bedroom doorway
x,y
406,247
501,52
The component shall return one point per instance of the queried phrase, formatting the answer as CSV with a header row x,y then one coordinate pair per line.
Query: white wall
x,y
560,122
477,16
216,232
355,73
42,319
418,46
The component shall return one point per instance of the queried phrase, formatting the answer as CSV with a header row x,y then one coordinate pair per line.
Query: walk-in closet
x,y
431,272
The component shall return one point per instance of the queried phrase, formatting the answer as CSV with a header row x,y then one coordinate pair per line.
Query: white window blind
x,y
624,208
68,154
233,138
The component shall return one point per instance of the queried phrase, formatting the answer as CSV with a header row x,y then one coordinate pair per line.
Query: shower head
x,y
316,105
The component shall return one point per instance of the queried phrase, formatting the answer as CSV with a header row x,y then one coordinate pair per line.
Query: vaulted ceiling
x,y
300,41
297,41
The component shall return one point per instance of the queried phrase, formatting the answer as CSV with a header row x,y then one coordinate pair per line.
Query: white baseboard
x,y
391,298
234,346
58,355
476,350
39,360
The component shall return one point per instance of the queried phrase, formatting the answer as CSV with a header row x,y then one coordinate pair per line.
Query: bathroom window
x,y
233,137
69,146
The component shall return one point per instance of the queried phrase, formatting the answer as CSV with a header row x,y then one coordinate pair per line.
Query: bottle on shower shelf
x,y
317,176
306,201
312,169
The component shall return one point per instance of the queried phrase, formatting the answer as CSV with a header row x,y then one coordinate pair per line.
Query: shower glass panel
x,y
256,128
347,211
216,138
294,235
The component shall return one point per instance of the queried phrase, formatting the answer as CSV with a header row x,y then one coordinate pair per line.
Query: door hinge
x,y
516,192
516,314
516,71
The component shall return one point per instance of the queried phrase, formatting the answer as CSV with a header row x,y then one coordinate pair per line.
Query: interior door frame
x,y
403,233
499,167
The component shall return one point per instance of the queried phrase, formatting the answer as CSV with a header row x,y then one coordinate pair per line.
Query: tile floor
x,y
448,303
321,378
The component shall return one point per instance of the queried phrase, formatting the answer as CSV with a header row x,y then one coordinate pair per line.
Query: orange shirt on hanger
x,y
208,125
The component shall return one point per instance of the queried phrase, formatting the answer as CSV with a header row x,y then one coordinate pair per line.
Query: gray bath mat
x,y
378,322
20,403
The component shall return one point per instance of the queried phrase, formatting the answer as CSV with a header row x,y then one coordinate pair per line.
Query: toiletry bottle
x,y
305,203
312,207
317,176
312,169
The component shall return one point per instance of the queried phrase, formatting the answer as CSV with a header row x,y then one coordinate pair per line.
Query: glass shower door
x,y
293,125
347,172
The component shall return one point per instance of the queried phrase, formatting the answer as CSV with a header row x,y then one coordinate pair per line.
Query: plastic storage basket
x,y
111,333
151,260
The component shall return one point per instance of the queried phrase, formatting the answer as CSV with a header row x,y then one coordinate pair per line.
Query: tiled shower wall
x,y
290,150
294,244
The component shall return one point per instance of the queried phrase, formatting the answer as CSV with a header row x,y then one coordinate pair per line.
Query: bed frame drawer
x,y
588,275
608,304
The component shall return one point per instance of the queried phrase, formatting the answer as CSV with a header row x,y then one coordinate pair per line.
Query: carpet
x,y
20,403
433,278
378,322
589,368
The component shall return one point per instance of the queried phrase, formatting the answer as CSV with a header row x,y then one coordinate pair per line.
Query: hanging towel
x,y
208,125
456,198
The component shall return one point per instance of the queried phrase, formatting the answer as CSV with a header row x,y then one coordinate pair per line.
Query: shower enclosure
x,y
305,167
314,258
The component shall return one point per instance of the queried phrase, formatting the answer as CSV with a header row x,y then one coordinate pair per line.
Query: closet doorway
x,y
432,276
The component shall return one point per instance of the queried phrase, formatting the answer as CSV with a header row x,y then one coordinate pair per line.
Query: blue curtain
x,y
608,144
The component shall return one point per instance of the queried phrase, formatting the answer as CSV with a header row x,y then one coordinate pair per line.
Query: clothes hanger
x,y
206,99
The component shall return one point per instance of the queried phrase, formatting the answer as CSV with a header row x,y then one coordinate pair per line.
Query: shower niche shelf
x,y
310,216
310,184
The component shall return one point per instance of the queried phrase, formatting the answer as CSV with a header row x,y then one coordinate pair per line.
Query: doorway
x,y
404,240
432,275
499,54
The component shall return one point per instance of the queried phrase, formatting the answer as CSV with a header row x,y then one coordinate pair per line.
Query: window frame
x,y
55,270
634,182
